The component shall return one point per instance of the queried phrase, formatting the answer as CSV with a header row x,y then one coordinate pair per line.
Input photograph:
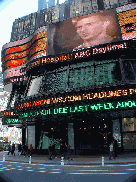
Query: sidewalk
x,y
77,160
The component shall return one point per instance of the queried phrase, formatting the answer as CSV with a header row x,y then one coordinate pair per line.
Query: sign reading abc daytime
x,y
127,21
83,31
16,54
82,53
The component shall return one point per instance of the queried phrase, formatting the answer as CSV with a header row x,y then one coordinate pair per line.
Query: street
x,y
19,171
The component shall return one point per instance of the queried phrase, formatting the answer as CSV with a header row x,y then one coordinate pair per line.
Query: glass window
x,y
34,86
106,73
55,82
129,141
129,69
81,77
103,73
116,131
128,124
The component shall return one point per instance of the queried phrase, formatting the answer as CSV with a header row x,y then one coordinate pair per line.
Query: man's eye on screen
x,y
89,24
79,27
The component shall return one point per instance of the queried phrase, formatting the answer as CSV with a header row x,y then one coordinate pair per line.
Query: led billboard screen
x,y
127,21
83,31
16,54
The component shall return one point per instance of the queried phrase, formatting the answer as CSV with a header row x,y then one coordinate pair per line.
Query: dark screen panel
x,y
129,69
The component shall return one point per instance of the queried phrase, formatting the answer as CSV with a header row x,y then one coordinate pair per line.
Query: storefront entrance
x,y
92,136
51,133
84,135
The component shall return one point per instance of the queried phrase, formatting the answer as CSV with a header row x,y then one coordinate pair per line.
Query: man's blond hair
x,y
105,15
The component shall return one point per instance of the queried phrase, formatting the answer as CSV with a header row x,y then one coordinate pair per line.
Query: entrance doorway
x,y
92,136
52,133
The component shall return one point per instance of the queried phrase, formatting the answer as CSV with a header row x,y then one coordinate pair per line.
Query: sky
x,y
11,10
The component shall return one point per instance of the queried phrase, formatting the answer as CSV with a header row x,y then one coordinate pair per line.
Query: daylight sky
x,y
11,10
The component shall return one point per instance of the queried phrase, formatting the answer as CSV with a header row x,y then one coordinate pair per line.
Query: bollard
x,y
62,161
30,160
102,161
3,157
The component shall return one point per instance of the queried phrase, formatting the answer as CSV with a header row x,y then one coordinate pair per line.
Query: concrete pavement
x,y
77,160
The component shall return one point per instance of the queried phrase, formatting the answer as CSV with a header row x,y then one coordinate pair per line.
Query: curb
x,y
71,163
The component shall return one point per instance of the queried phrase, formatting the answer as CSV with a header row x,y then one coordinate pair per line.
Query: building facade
x,y
63,92
25,26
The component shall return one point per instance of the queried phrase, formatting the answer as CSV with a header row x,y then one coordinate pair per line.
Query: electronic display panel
x,y
127,21
17,74
38,46
20,55
16,49
14,63
16,54
83,31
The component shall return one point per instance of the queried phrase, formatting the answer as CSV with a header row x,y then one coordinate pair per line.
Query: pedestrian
x,y
61,148
53,150
31,149
26,149
9,148
69,152
19,149
23,149
13,149
111,151
65,152
50,152
115,147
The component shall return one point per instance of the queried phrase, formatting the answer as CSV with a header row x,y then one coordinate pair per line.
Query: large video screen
x,y
83,31
19,55
127,21
15,55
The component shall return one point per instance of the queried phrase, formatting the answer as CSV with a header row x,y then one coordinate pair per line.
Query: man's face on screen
x,y
90,28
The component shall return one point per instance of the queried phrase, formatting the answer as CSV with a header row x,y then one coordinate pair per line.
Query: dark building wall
x,y
100,4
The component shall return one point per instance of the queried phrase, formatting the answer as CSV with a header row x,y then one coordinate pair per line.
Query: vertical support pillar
x,y
71,135
102,161
23,135
4,157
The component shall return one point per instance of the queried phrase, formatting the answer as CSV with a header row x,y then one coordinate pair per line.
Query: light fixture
x,y
83,121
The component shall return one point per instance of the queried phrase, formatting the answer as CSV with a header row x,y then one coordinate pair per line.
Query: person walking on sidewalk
x,y
61,148
111,151
19,149
31,149
115,147
9,148
65,152
13,149
53,150
25,150
50,152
